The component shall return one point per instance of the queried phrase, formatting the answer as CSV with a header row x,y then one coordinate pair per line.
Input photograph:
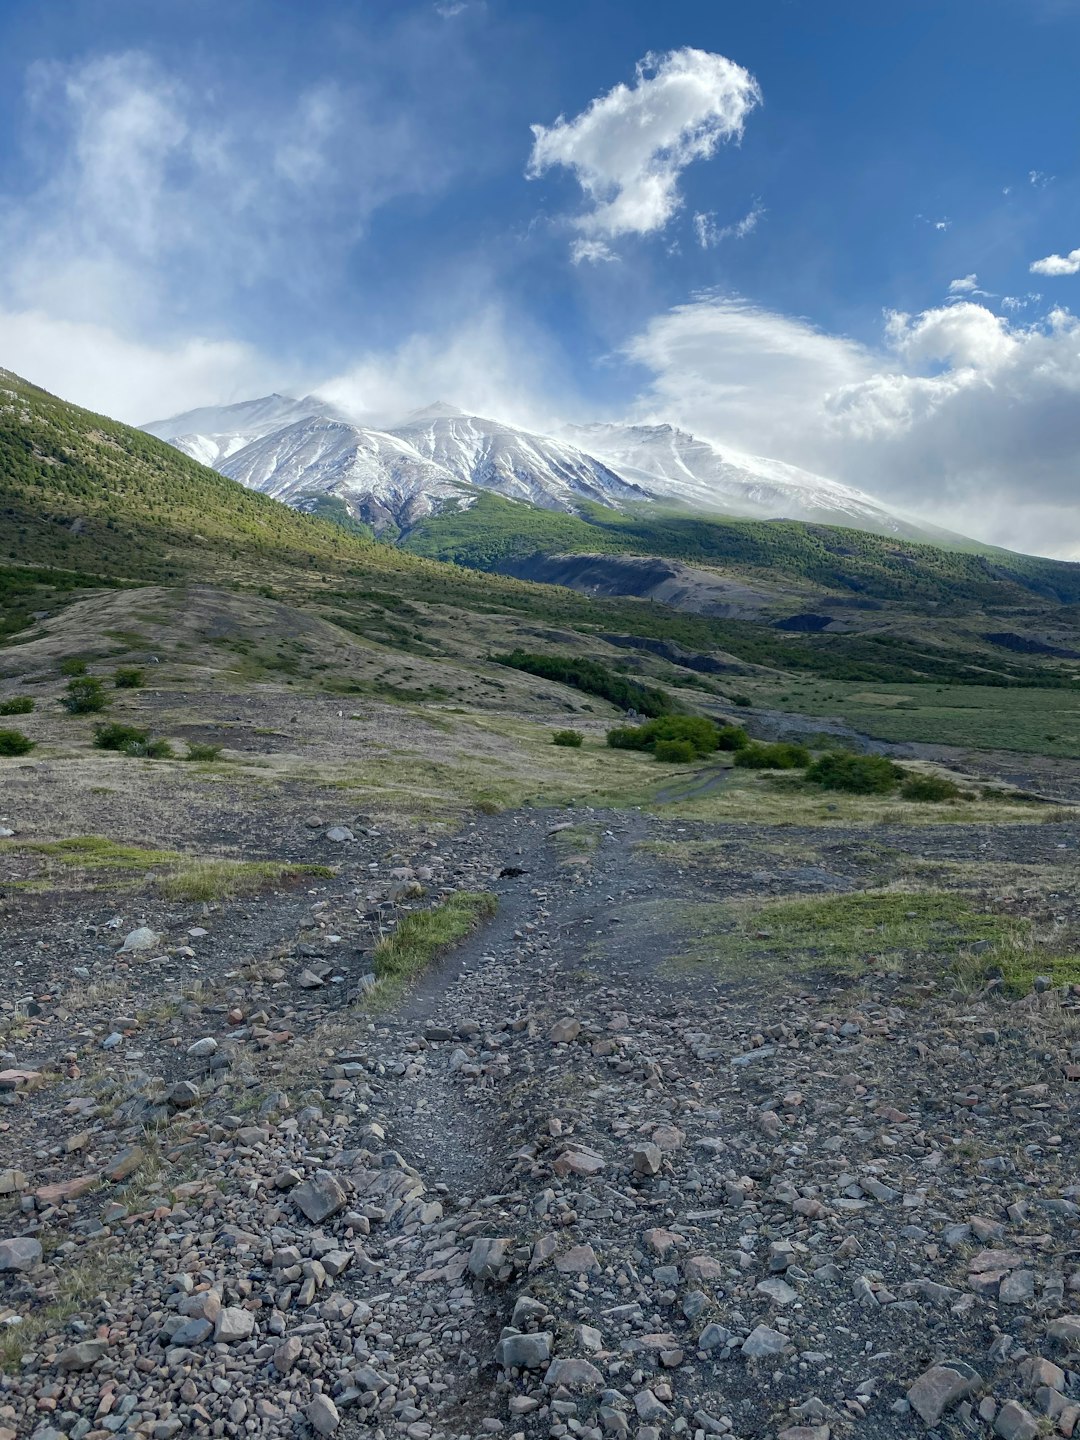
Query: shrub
x,y
196,751
571,739
593,678
128,677
149,749
773,757
732,737
742,701
18,705
931,788
84,696
626,737
676,752
858,774
73,666
14,742
118,737
701,734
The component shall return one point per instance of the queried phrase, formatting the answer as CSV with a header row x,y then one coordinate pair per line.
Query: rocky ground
x,y
573,1184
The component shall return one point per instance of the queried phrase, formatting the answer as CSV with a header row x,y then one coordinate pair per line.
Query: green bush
x,y
84,696
72,666
858,774
149,749
732,737
18,705
931,788
626,737
571,739
14,742
743,701
118,737
128,677
593,678
782,756
675,752
196,751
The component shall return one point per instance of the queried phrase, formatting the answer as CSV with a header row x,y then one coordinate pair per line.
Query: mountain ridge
x,y
396,475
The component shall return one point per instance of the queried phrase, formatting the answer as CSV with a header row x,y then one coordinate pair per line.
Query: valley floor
x,y
757,1122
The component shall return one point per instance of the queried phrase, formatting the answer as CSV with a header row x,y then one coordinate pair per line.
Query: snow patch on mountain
x,y
394,475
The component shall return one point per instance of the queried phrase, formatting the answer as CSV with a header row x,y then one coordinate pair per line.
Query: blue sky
x,y
805,229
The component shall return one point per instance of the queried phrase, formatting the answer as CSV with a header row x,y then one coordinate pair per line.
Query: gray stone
x,y
1066,1330
21,1253
202,1048
778,1291
763,1341
141,939
941,1386
574,1374
1016,1288
647,1159
82,1356
1015,1423
320,1197
233,1324
713,1337
525,1352
322,1414
183,1095
339,834
487,1256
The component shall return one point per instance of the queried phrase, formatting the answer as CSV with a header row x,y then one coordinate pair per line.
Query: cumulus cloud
x,y
628,148
1058,264
964,286
958,414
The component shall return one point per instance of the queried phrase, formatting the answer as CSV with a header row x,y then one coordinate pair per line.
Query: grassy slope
x,y
850,562
92,501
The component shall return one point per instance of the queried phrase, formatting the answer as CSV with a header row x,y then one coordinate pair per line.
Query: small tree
x,y
14,742
85,696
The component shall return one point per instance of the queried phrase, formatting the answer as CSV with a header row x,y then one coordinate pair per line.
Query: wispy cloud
x,y
709,233
628,148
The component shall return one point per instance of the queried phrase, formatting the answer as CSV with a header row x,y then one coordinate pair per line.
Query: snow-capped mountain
x,y
674,465
307,451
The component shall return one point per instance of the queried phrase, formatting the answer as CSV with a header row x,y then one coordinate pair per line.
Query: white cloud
x,y
964,286
1058,264
594,251
709,233
959,414
128,379
629,147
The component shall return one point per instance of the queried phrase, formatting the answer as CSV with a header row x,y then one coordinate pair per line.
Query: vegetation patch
x,y
17,705
695,735
857,774
14,742
223,879
781,756
593,678
85,696
844,934
424,934
568,739
128,677
930,789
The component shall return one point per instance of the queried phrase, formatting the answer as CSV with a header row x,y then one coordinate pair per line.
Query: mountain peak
x,y
438,410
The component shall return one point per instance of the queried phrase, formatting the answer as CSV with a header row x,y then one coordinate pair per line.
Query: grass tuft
x,y
422,935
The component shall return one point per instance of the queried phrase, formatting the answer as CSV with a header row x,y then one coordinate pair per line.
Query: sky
x,y
843,235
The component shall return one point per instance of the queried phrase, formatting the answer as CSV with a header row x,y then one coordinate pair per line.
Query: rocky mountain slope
x,y
302,451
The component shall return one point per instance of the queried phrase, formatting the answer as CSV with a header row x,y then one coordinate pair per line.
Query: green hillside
x,y
853,562
88,502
